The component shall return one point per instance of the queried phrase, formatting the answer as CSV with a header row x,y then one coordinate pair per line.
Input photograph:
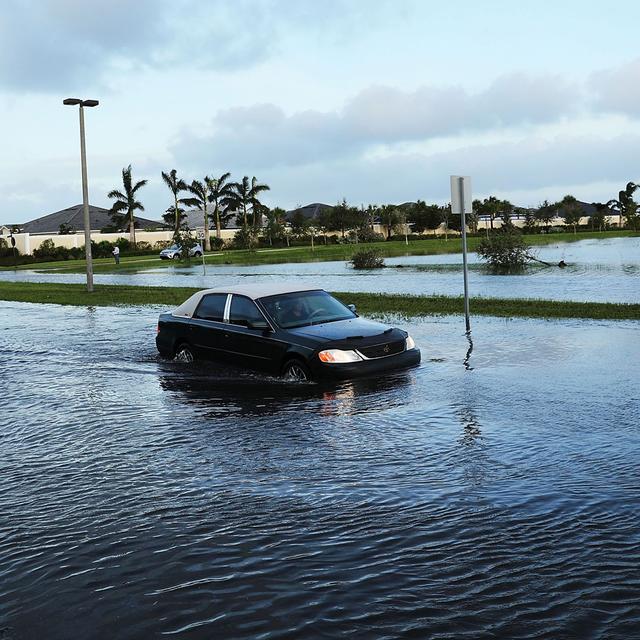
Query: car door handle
x,y
226,335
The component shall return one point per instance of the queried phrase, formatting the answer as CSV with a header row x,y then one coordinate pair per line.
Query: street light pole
x,y
85,187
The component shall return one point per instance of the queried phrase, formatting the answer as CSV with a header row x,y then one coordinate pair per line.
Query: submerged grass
x,y
367,303
322,253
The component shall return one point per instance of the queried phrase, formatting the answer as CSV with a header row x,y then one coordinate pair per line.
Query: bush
x,y
216,243
367,259
365,235
245,239
505,250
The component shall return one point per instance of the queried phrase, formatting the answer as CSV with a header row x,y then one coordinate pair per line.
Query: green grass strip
x,y
321,253
367,303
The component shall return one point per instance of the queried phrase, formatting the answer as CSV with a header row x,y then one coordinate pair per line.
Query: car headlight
x,y
338,355
409,343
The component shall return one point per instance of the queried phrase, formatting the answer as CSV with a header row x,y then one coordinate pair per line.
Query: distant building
x,y
309,211
72,219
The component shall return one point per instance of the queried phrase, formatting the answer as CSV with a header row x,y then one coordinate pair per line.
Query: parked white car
x,y
175,251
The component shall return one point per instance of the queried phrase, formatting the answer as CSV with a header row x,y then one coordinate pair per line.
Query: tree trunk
x,y
175,197
132,229
218,226
207,244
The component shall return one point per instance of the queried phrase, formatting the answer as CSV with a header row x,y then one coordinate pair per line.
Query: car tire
x,y
175,256
295,370
197,254
184,353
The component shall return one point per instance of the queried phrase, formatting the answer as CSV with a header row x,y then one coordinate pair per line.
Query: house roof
x,y
309,210
195,220
74,218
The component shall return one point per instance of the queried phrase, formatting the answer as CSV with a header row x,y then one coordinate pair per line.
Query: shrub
x,y
245,239
216,243
367,259
505,250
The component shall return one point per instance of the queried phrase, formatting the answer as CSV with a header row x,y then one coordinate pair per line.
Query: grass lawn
x,y
367,303
321,253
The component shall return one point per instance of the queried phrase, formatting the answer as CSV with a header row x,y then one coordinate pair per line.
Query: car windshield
x,y
174,247
304,308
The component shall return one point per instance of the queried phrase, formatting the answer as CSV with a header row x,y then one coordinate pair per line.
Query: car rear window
x,y
211,307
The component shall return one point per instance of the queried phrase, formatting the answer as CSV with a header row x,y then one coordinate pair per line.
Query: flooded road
x,y
491,492
597,271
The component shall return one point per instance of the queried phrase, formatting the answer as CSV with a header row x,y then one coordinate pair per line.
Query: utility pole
x,y
85,187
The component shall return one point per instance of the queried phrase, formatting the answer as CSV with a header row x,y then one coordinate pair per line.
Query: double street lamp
x,y
85,189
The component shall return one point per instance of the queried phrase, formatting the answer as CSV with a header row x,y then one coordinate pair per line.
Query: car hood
x,y
342,329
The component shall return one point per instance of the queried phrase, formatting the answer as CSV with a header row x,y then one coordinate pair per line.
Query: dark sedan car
x,y
284,330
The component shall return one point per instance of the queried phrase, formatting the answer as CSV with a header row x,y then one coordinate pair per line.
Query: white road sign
x,y
457,198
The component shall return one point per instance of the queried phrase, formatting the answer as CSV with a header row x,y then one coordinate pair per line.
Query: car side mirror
x,y
352,307
259,324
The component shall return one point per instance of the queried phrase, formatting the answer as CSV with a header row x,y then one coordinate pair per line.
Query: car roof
x,y
253,291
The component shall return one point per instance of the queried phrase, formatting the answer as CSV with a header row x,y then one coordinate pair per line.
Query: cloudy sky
x,y
371,100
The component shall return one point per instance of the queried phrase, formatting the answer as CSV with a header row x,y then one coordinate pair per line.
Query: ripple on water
x,y
143,498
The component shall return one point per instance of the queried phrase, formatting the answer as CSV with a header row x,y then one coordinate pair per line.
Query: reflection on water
x,y
141,498
255,394
597,270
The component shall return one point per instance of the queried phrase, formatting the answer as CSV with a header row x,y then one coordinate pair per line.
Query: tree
x,y
489,207
529,219
625,206
506,213
245,198
299,224
389,218
342,217
570,211
175,217
424,217
546,213
275,229
599,216
221,195
505,249
201,192
175,185
126,202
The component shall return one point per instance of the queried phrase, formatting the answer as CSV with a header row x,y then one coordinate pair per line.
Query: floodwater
x,y
491,492
597,271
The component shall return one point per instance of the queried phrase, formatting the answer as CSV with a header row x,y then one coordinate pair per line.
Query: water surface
x,y
490,492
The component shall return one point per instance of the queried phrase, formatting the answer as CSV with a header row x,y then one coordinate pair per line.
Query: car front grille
x,y
382,350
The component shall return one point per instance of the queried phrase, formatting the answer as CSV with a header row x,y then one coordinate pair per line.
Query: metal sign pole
x,y
464,252
460,203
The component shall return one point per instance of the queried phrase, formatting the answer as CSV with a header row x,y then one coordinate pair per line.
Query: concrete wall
x,y
27,243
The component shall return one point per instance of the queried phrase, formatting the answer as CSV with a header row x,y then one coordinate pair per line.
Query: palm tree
x,y
256,205
127,201
624,205
244,197
389,218
176,185
220,195
201,191
240,198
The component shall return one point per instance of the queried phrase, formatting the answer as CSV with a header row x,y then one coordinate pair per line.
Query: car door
x,y
207,326
250,337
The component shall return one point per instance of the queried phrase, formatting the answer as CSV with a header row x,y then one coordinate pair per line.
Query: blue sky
x,y
372,101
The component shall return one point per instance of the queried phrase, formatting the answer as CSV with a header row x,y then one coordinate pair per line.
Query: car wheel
x,y
175,256
197,254
296,371
184,353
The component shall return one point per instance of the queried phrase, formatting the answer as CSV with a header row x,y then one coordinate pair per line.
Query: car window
x,y
244,312
211,307
305,308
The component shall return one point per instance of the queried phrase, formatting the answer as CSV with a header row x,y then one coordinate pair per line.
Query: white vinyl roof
x,y
253,291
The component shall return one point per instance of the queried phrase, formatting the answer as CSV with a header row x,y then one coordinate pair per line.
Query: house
x,y
72,220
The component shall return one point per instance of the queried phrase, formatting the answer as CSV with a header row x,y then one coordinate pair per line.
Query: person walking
x,y
116,254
